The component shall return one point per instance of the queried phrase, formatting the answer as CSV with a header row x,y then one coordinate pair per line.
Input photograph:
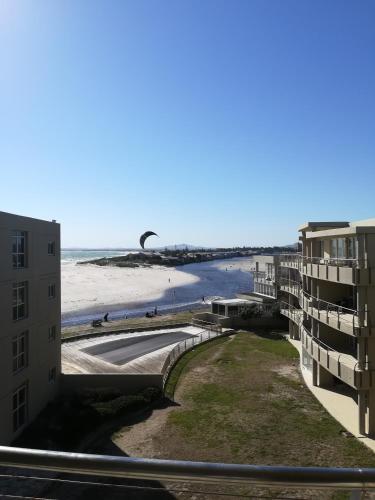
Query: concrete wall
x,y
126,383
43,354
266,322
213,318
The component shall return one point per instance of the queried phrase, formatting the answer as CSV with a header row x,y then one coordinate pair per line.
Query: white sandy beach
x,y
89,288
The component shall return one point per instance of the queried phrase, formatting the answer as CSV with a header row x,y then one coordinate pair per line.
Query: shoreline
x,y
89,291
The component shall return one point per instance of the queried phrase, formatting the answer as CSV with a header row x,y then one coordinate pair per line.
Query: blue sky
x,y
210,122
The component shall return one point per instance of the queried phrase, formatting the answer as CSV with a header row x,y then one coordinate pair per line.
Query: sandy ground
x,y
90,288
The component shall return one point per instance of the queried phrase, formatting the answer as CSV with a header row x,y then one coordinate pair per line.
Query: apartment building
x,y
328,294
265,275
30,351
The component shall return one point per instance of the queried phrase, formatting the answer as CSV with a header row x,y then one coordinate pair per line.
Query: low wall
x,y
266,322
102,333
216,319
124,382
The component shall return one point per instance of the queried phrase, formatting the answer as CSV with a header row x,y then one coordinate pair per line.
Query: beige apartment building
x,y
30,351
328,293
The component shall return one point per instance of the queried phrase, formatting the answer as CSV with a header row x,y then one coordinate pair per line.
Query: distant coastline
x,y
167,258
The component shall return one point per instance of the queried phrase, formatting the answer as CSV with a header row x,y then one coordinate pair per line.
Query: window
x,y
19,352
52,375
350,248
321,248
19,407
51,248
341,248
333,249
19,300
19,249
52,333
51,291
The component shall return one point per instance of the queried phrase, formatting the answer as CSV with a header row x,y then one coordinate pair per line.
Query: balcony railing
x,y
333,261
321,478
290,286
340,317
293,260
348,359
264,277
340,364
291,312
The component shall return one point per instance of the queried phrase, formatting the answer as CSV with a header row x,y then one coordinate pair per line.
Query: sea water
x,y
82,255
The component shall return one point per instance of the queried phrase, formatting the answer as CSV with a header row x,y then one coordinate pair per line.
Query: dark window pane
x,y
22,395
21,416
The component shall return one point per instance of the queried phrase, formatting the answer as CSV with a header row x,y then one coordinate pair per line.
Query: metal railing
x,y
209,332
291,260
264,277
328,310
290,286
332,261
294,313
353,362
176,470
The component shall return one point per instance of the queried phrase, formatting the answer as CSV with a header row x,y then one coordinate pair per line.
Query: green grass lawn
x,y
243,400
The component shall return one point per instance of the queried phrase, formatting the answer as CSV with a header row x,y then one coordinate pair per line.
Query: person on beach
x,y
156,311
203,298
106,317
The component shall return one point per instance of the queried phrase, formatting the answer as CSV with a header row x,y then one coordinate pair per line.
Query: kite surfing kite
x,y
144,237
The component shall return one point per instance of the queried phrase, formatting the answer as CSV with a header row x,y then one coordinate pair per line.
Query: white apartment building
x,y
328,294
30,351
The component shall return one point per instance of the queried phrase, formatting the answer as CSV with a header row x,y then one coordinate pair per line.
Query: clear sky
x,y
210,122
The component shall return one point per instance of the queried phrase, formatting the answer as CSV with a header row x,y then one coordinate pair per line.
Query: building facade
x,y
265,276
328,294
30,349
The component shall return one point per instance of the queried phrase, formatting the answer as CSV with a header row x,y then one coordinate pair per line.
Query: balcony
x,y
291,312
341,365
341,318
338,270
290,286
263,277
293,260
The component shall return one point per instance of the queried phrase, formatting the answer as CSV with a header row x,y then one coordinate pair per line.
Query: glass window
x,y
52,333
51,291
51,248
19,303
20,407
333,249
52,375
341,248
19,352
350,248
18,249
321,248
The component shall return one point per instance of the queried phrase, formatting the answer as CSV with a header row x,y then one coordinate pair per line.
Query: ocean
x,y
80,255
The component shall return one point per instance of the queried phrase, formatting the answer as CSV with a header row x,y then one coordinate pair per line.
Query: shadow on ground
x,y
97,442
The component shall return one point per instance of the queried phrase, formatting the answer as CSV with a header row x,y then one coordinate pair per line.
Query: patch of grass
x,y
238,404
179,368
